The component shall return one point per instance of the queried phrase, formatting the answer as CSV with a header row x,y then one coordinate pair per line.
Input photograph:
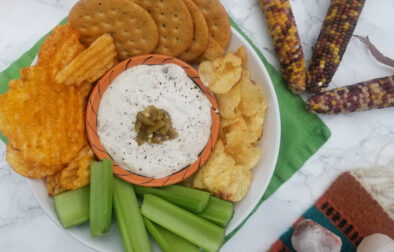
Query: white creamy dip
x,y
166,87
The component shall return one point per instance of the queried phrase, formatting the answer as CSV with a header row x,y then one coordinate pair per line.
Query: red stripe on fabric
x,y
343,223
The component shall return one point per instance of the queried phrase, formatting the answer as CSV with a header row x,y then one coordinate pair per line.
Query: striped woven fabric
x,y
351,209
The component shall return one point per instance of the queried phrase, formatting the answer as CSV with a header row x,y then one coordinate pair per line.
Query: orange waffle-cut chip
x,y
91,64
43,121
53,185
75,175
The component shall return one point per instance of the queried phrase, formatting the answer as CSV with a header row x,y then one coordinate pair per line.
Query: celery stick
x,y
72,207
183,223
101,180
218,211
129,219
188,198
167,240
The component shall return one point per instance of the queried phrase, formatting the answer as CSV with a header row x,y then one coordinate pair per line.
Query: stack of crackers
x,y
192,30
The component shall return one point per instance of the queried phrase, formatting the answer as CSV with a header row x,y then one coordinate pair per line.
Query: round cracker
x,y
201,34
174,22
217,20
133,29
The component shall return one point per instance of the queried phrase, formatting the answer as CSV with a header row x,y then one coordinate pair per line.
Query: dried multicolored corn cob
x,y
284,33
338,27
373,94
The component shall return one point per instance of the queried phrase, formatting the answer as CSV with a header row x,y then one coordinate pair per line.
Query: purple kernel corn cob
x,y
373,94
284,33
339,24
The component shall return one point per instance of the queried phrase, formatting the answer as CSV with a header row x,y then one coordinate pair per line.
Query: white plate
x,y
262,172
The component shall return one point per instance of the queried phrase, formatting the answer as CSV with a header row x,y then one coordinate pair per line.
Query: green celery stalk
x,y
167,240
183,223
188,198
72,207
218,211
101,180
129,219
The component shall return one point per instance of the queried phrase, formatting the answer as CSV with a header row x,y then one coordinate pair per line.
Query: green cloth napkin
x,y
302,133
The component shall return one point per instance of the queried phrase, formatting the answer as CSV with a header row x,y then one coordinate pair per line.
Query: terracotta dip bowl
x,y
94,103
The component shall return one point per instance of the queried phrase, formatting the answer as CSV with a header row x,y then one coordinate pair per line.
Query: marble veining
x,y
358,140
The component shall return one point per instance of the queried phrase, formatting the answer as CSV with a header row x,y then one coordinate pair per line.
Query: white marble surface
x,y
357,139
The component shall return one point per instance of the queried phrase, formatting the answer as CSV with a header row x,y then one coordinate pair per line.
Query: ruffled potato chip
x,y
251,95
44,122
53,184
233,183
228,102
75,175
222,74
91,64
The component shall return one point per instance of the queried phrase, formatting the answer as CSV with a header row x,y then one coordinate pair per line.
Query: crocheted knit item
x,y
357,204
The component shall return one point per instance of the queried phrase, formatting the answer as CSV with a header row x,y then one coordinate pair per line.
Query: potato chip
x,y
237,129
242,54
198,181
206,72
248,156
59,49
212,52
251,95
222,74
53,185
218,164
242,108
240,125
91,64
235,139
28,169
239,143
255,123
228,102
77,173
224,122
45,122
233,183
